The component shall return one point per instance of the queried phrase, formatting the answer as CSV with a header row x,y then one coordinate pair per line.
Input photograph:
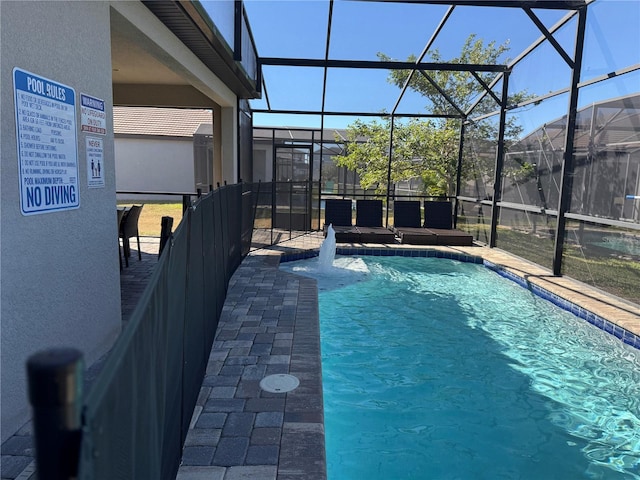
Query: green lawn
x,y
152,213
608,272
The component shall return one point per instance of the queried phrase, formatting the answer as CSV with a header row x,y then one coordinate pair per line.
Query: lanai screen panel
x,y
539,93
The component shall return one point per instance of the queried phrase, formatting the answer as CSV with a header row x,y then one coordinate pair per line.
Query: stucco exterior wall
x,y
154,165
59,272
262,161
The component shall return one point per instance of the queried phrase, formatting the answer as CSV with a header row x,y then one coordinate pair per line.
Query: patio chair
x,y
128,229
337,212
438,214
438,219
407,224
121,211
406,213
369,222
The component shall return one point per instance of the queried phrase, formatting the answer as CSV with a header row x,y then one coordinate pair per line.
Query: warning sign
x,y
92,115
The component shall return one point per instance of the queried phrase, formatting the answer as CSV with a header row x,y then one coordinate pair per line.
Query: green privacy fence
x,y
136,416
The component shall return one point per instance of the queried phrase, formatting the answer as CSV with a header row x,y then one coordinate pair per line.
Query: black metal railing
x,y
136,416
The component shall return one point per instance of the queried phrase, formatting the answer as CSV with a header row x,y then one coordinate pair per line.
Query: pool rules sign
x,y
47,144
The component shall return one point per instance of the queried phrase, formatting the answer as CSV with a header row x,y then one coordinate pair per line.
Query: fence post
x,y
166,224
55,393
186,203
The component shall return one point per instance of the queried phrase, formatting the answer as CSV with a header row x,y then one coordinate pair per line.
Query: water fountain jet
x,y
327,251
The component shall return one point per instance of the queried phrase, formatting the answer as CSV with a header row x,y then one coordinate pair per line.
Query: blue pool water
x,y
437,369
624,244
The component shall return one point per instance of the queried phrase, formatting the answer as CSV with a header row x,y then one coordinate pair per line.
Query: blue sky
x,y
297,29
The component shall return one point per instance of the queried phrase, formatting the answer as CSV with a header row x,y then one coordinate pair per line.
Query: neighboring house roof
x,y
164,122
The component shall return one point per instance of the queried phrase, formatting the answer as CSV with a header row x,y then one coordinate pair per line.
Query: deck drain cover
x,y
279,383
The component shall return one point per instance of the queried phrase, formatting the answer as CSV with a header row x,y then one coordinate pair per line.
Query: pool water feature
x,y
439,369
327,250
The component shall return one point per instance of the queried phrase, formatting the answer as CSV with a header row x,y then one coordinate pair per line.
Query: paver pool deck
x,y
270,325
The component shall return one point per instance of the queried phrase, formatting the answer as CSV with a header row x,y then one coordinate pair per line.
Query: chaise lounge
x,y
337,212
437,228
407,224
438,220
369,222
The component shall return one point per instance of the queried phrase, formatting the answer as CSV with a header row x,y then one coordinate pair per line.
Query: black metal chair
x,y
128,229
121,211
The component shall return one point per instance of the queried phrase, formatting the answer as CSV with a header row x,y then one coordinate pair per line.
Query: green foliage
x,y
521,173
428,149
461,87
419,150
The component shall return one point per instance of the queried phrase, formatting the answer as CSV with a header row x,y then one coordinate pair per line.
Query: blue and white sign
x,y
47,144
93,118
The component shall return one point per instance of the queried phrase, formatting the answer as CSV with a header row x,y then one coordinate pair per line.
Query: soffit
x,y
136,60
186,22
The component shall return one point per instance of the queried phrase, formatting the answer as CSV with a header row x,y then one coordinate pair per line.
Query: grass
x,y
612,273
152,213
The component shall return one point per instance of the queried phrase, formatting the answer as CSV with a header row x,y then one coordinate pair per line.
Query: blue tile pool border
x,y
617,331
384,252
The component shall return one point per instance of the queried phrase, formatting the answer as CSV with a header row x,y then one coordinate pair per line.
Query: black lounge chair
x,y
407,224
337,212
369,222
438,214
417,236
406,213
438,220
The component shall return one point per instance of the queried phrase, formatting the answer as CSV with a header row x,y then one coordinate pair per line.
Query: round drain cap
x,y
279,383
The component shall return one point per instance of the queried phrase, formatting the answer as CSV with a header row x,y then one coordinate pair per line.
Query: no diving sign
x,y
47,144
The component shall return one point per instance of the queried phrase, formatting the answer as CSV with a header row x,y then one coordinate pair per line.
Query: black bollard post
x,y
55,393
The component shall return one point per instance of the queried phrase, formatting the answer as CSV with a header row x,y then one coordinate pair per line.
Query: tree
x,y
427,149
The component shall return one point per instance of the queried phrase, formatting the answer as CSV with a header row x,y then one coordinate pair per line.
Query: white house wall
x,y
59,272
154,165
262,161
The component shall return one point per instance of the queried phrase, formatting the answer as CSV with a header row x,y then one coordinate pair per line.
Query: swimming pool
x,y
440,369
